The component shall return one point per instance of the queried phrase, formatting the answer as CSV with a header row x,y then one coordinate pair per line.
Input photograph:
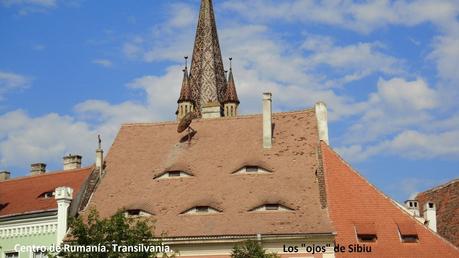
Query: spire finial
x,y
186,62
231,63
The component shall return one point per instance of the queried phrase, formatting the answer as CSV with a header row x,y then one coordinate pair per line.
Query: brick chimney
x,y
37,169
4,175
267,121
72,162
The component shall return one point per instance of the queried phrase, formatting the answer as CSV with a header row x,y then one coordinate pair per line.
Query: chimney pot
x,y
4,175
37,169
267,121
72,162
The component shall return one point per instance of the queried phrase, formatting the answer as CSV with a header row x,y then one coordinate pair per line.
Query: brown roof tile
x,y
21,194
352,199
220,146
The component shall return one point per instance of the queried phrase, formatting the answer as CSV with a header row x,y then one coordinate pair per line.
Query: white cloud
x,y
26,7
12,81
362,16
25,140
103,62
44,3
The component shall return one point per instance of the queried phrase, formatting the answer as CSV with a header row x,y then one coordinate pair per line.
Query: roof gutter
x,y
237,238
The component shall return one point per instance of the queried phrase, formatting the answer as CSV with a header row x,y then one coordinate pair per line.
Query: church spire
x,y
185,101
231,102
185,93
208,82
231,93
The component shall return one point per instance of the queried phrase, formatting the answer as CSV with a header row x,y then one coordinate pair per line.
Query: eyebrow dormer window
x,y
46,195
173,174
272,207
136,213
252,170
201,210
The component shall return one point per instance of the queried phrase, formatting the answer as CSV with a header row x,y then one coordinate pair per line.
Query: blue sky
x,y
388,70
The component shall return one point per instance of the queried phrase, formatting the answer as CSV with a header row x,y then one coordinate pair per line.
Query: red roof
x,y
21,195
352,200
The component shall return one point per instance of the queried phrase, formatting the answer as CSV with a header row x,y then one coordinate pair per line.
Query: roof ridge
x,y
50,173
439,187
216,119
393,202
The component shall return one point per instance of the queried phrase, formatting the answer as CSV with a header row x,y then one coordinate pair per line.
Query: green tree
x,y
251,249
118,229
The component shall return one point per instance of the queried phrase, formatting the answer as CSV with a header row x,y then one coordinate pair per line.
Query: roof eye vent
x,y
201,210
271,207
250,169
136,213
46,195
173,174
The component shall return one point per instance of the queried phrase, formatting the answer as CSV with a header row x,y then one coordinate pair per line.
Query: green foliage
x,y
117,229
251,249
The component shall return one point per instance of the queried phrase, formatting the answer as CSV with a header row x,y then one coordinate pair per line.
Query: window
x,y
3,205
46,195
366,232
12,255
408,233
201,210
40,255
272,207
136,213
252,170
173,174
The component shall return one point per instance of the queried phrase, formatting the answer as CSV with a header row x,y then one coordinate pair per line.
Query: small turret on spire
x,y
231,102
185,102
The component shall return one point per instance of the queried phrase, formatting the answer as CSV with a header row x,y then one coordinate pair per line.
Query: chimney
x,y
63,196
37,169
322,121
267,121
4,175
99,156
430,215
413,207
72,162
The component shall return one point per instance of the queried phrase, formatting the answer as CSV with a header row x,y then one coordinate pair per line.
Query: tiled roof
x,y
20,195
352,200
446,199
220,147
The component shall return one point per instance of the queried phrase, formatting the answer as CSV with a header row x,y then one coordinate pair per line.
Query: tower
x,y
204,89
231,101
185,102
